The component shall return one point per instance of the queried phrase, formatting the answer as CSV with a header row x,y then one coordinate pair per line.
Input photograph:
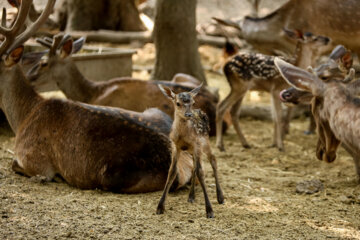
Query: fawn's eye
x,y
178,104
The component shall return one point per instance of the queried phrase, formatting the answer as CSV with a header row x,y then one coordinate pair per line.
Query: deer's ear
x,y
337,52
78,44
14,57
196,90
167,92
300,78
32,57
66,48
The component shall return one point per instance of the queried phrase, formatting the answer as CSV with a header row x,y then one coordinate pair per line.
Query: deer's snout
x,y
285,95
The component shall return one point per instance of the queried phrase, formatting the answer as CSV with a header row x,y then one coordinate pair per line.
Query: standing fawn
x,y
335,109
87,146
257,72
190,132
128,93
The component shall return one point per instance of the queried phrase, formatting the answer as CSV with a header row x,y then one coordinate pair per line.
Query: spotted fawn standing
x,y
190,132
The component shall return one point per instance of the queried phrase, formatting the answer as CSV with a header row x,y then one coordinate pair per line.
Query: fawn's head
x,y
303,80
338,67
183,102
58,67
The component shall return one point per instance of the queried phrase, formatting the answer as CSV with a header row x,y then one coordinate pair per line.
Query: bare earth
x,y
259,185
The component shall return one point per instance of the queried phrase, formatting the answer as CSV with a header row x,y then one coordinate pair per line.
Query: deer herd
x,y
106,137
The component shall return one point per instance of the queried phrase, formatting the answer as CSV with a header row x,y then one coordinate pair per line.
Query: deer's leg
x,y
200,175
277,116
356,159
170,179
235,113
286,122
220,111
212,159
17,168
191,198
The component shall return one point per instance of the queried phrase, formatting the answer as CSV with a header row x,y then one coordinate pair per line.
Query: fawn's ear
x,y
347,60
196,90
300,78
167,92
32,57
66,48
14,57
78,44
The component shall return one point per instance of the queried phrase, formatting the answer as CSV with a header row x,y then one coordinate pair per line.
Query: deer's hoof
x,y
220,199
160,210
210,214
307,132
281,149
221,148
247,146
191,199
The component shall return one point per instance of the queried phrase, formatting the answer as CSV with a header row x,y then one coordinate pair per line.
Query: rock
x,y
309,186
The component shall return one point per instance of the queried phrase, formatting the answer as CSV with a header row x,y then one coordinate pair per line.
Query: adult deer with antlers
x,y
257,72
127,93
87,146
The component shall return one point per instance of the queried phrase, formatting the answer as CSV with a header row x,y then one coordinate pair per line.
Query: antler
x,y
55,44
12,37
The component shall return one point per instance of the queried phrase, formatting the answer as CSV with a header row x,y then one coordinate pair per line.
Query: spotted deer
x,y
128,93
87,146
190,132
336,111
250,71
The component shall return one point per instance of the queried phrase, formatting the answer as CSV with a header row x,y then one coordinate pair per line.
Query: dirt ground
x,y
259,186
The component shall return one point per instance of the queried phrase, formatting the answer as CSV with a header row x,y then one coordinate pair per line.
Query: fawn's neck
x,y
19,99
303,55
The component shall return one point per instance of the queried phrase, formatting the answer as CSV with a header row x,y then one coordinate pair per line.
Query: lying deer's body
x,y
250,71
128,93
88,146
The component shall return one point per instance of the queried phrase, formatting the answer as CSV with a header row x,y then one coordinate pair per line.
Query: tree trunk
x,y
87,15
175,40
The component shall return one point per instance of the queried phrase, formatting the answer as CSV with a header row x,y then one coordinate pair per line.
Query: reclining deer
x,y
127,93
257,72
336,111
88,146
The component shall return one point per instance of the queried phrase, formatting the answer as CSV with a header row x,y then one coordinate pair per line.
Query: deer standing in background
x,y
248,71
128,93
87,146
190,132
335,109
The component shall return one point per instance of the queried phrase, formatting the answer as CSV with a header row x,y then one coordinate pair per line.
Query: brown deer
x,y
337,67
128,93
87,146
335,109
327,18
248,71
190,132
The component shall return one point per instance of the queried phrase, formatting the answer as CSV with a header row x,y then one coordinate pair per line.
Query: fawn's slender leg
x,y
286,121
235,113
212,159
312,125
200,174
170,178
220,111
191,198
277,113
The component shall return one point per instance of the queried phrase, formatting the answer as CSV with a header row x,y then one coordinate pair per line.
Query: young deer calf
x,y
190,132
257,72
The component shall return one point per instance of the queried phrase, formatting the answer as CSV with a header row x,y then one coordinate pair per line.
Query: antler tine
x,y
44,42
10,34
35,26
3,19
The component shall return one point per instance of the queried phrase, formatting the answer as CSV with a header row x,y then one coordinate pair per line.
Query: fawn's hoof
x,y
307,132
210,214
191,200
160,210
220,199
220,147
247,146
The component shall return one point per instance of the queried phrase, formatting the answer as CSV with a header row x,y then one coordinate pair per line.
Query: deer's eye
x,y
178,104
